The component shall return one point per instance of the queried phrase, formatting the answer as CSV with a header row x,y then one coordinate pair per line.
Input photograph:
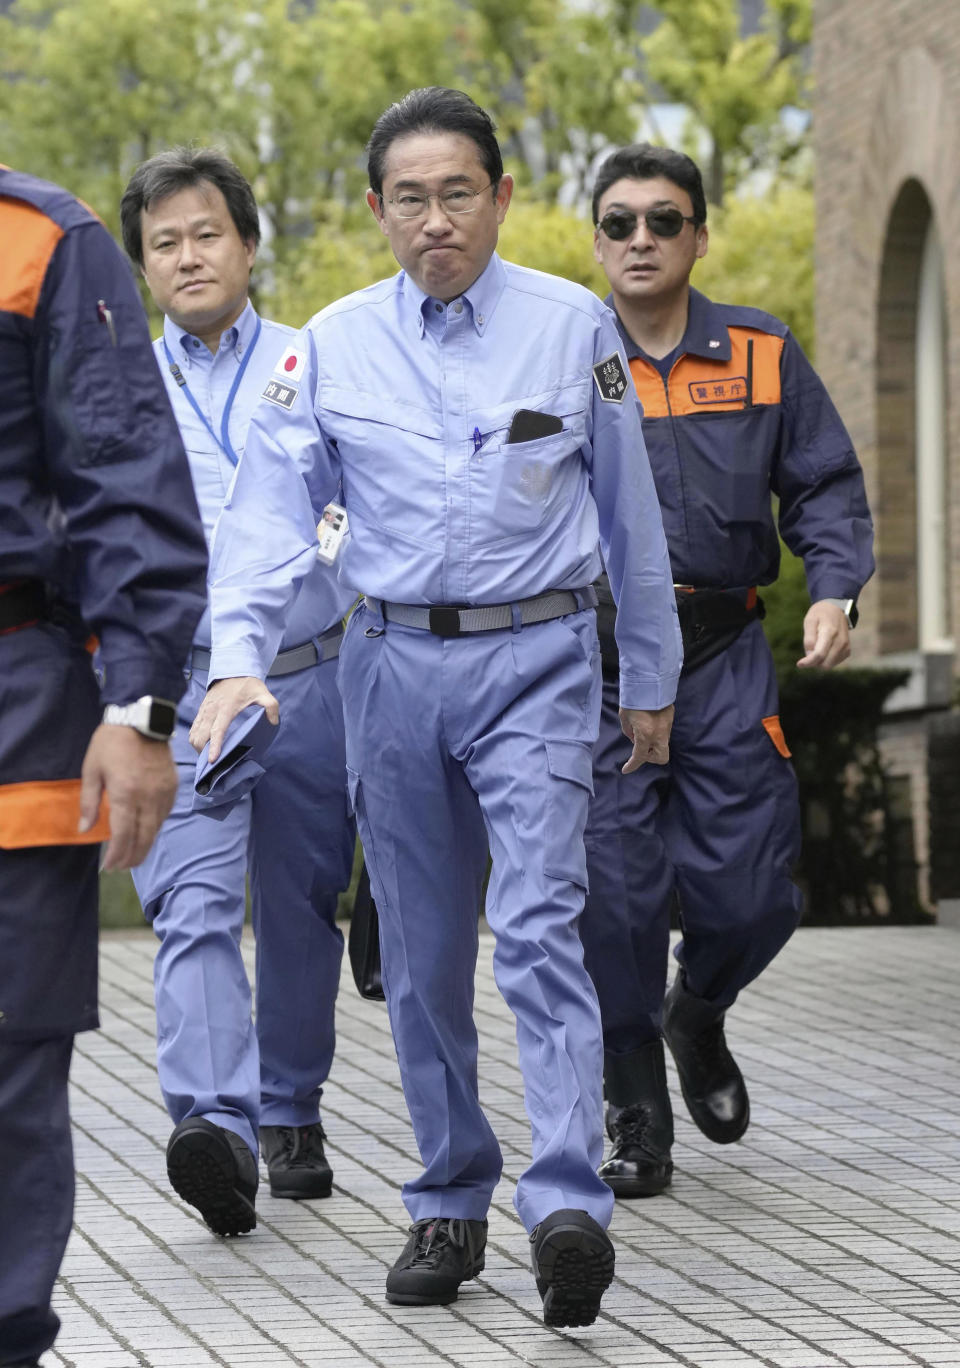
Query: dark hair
x,y
180,168
433,109
643,161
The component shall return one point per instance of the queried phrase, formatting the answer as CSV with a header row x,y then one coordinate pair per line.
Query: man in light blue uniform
x,y
190,224
487,436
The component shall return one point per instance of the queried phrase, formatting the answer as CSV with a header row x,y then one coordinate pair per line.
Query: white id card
x,y
331,530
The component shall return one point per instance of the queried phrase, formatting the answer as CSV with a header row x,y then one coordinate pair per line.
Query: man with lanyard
x,y
484,426
100,534
190,224
733,414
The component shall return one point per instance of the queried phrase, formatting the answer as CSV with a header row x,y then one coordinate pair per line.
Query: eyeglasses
x,y
664,223
459,200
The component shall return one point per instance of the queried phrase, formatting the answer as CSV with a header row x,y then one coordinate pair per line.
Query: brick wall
x,y
887,157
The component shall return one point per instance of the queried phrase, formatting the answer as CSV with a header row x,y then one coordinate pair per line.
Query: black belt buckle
x,y
445,622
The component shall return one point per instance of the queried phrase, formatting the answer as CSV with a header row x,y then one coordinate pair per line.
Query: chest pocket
x,y
729,459
517,487
392,461
210,469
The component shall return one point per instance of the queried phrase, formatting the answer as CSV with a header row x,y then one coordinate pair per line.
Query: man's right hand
x,y
139,779
223,701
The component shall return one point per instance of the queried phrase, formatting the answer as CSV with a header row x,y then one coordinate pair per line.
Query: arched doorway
x,y
912,507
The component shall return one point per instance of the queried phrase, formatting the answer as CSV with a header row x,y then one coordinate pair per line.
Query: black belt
x,y
22,603
456,619
324,647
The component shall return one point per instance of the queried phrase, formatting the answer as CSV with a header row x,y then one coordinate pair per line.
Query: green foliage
x,y
87,90
291,88
761,254
735,87
547,238
345,253
786,603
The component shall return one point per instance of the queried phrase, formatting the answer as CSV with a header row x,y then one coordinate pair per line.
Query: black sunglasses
x,y
665,223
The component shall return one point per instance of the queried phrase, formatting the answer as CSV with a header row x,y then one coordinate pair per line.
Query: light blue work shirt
x,y
321,601
408,402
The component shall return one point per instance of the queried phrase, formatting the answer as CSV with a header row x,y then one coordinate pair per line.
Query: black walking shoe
x,y
711,1083
295,1160
440,1254
639,1122
213,1169
573,1263
638,1166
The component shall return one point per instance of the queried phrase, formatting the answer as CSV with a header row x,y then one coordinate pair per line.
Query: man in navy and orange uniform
x,y
732,414
100,533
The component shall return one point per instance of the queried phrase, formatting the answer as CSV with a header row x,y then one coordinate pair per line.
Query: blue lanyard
x,y
223,441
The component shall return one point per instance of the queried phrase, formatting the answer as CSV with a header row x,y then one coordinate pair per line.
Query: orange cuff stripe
x,y
29,241
775,733
45,812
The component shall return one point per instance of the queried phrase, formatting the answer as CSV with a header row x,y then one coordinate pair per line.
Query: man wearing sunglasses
x,y
733,415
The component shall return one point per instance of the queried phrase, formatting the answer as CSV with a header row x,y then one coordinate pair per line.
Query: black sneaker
x,y
440,1254
573,1262
213,1169
295,1160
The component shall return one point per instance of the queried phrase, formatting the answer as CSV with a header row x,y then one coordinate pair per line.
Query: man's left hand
x,y
826,636
650,734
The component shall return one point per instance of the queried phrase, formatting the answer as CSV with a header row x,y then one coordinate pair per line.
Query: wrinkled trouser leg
x,y
192,889
301,856
626,920
298,838
732,826
720,824
448,740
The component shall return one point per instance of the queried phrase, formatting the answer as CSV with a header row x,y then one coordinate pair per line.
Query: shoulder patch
x,y
279,393
291,364
611,379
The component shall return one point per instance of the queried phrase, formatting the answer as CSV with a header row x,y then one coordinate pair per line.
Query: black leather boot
x,y
712,1085
639,1122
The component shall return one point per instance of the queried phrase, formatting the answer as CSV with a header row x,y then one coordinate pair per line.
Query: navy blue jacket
x,y
744,416
95,492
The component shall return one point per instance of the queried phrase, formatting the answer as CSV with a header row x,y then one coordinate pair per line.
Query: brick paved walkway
x,y
830,1235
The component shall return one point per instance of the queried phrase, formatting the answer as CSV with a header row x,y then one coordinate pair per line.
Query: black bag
x,y
363,942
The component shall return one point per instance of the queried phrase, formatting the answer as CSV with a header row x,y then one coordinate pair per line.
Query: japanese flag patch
x,y
611,379
291,364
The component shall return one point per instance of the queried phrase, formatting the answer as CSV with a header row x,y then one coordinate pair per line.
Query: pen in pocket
x,y
105,316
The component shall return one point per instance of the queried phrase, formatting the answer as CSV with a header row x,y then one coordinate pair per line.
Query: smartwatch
x,y
153,717
848,608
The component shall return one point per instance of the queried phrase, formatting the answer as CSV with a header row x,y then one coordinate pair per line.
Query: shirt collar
x,y
235,338
481,298
705,335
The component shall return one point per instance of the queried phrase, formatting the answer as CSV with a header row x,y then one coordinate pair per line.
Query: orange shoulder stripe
x,y
699,386
29,241
45,812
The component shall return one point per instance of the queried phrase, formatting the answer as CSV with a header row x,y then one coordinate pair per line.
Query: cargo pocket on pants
x,y
570,766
